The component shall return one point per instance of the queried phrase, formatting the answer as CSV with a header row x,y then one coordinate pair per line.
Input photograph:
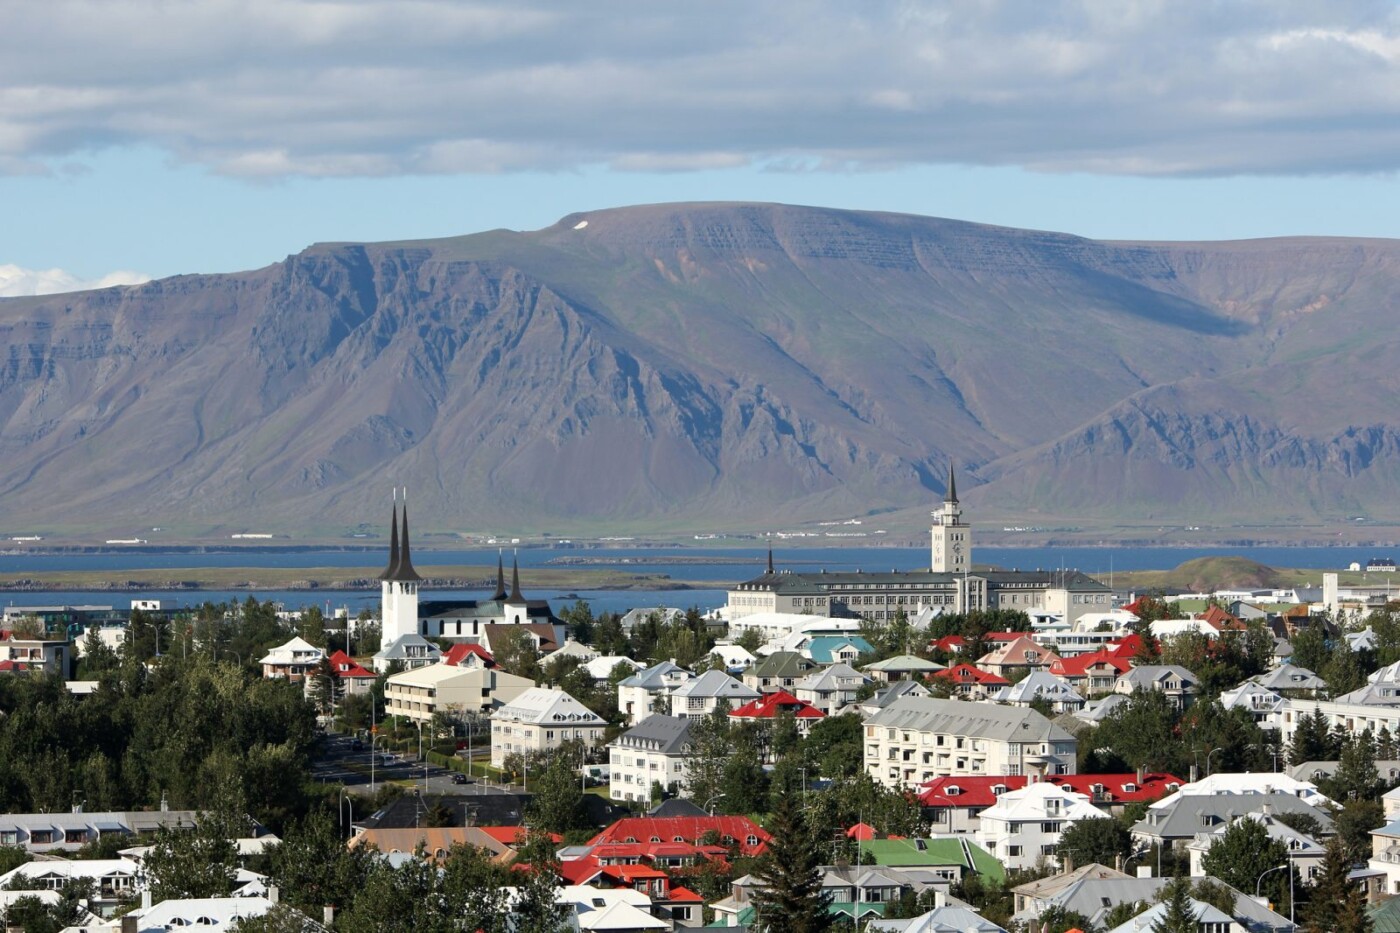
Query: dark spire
x,y
952,495
388,573
500,593
405,573
515,596
770,555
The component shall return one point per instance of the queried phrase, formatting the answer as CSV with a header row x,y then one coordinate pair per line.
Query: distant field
x,y
1218,573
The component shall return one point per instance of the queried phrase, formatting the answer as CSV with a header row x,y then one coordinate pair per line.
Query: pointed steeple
x,y
404,572
770,556
388,573
952,494
515,596
500,593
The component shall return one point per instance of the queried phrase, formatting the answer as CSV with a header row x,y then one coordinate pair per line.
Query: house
x,y
884,696
1175,682
836,649
544,637
1261,703
647,691
941,861
292,661
831,689
58,833
541,720
697,698
902,667
1177,820
915,740
351,679
1023,827
1094,673
603,668
36,655
955,804
1038,685
661,614
1305,853
1017,657
655,751
972,683
737,832
1208,919
420,692
594,909
470,654
947,916
113,880
733,658
771,706
209,914
781,670
406,652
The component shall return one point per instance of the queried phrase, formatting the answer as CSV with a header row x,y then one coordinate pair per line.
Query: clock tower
x,y
952,538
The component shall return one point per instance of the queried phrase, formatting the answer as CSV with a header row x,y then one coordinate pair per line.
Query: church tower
x,y
398,592
952,538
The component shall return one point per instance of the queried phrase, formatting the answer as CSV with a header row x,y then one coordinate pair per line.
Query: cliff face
x,y
716,365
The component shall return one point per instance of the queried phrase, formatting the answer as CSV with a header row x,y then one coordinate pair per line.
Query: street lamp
x,y
348,804
709,804
1212,752
1268,871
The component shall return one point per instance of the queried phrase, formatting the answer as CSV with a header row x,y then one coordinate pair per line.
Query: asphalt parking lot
x,y
337,761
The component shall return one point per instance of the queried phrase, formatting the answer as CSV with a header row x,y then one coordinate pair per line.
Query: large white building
x,y
420,692
917,739
398,591
540,720
655,751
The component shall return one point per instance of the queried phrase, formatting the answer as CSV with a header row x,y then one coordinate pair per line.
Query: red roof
x,y
1078,665
462,650
861,831
685,895
579,870
1004,636
770,705
513,835
977,791
1222,620
688,828
967,674
345,666
12,666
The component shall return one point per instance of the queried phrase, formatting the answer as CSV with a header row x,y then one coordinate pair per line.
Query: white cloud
x,y
271,88
16,281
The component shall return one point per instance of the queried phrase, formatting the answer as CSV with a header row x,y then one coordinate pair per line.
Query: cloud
x,y
342,88
16,281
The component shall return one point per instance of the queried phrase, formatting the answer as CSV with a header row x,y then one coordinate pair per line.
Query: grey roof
x,y
829,678
1182,816
1098,710
1095,897
819,583
666,734
1290,677
398,648
982,720
715,684
1038,684
939,920
653,678
1151,673
1150,918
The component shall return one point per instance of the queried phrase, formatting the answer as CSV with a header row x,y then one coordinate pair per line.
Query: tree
x,y
556,806
1356,777
1120,914
280,918
196,862
1242,853
98,658
836,746
1311,740
536,909
1058,919
515,653
1354,823
792,899
1094,840
1310,647
1180,915
1337,905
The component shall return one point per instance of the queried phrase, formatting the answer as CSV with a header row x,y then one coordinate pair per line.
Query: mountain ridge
x,y
714,366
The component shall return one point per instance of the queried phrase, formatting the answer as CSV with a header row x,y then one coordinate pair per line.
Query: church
x,y
402,614
949,585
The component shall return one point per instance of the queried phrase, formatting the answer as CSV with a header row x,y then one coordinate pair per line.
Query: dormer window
x,y
1130,788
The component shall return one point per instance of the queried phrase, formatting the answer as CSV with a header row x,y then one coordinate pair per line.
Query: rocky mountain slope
x,y
714,366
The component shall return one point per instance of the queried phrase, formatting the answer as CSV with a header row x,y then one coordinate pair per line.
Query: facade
x,y
1024,826
540,720
698,698
656,750
34,655
1176,682
648,691
781,670
292,661
915,740
420,692
398,588
59,833
408,652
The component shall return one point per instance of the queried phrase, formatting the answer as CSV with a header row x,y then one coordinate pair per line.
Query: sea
x,y
702,572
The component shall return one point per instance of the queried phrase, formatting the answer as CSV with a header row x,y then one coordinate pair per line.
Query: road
x,y
335,756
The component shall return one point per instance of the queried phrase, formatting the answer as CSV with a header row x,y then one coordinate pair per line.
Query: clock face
x,y
957,549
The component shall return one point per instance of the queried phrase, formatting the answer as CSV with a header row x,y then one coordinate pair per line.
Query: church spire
x,y
515,596
389,571
952,495
404,572
500,593
770,555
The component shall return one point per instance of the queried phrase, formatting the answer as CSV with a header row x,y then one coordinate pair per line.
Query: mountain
x,y
710,366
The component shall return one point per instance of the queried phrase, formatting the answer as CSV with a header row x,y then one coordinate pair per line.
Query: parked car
x,y
460,778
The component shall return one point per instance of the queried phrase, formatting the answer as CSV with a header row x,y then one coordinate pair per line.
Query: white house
x,y
648,691
292,661
540,720
1024,826
656,750
830,689
696,699
420,692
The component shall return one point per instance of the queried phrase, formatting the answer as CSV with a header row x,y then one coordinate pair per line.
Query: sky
x,y
144,138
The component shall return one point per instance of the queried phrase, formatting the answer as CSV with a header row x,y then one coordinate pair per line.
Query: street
x,y
338,762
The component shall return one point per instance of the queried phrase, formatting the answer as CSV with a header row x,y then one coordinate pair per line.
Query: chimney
x,y
1141,773
1193,775
273,894
129,924
328,916
146,899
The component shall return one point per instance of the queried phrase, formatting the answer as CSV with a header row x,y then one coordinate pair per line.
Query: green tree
x,y
1242,853
1310,646
313,867
280,918
1057,919
1180,915
556,806
1311,739
1120,914
835,746
537,910
1354,822
1102,841
1337,904
196,862
791,899
1356,777
98,658
515,653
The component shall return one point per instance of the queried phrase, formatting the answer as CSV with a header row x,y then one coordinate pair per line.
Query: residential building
x,y
915,740
292,661
972,683
700,696
1305,853
955,804
1175,682
902,667
727,831
656,750
770,706
830,689
540,720
1177,820
59,833
781,670
407,652
1017,658
34,655
1023,827
351,679
1039,685
420,692
648,691
1208,919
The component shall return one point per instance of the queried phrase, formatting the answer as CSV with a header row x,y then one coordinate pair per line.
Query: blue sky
x,y
215,136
